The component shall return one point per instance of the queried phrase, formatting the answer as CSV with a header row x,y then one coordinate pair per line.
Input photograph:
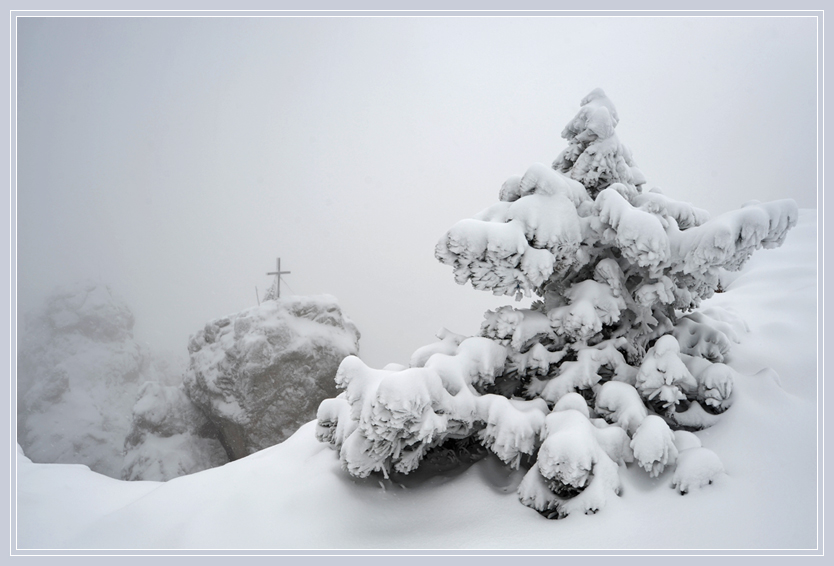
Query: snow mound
x,y
696,468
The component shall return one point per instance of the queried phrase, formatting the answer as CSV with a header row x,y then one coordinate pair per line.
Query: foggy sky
x,y
175,158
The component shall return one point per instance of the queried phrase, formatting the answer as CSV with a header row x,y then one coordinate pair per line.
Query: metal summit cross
x,y
278,273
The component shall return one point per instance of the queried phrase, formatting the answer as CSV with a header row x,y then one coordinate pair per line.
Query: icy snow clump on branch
x,y
612,364
594,156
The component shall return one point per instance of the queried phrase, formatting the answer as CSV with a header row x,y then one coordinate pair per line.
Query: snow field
x,y
295,496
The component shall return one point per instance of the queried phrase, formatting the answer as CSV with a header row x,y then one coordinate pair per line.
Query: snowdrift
x,y
294,496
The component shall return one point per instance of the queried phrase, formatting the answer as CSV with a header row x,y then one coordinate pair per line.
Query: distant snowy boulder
x,y
78,372
260,374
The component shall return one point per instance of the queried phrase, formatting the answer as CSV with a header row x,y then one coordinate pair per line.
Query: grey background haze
x,y
175,158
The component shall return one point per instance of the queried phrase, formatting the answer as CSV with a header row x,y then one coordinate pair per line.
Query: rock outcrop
x,y
258,375
88,393
78,372
169,436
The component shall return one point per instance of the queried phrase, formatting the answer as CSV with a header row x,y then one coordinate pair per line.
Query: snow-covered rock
x,y
169,436
260,374
79,369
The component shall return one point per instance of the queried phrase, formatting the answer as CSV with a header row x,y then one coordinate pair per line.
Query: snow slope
x,y
294,495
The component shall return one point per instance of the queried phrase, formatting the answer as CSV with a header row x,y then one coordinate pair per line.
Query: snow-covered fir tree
x,y
612,365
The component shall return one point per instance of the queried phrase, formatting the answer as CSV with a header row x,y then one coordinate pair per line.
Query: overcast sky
x,y
175,158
